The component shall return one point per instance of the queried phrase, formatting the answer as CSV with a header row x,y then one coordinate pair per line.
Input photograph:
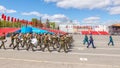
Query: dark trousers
x,y
3,44
62,46
85,42
30,46
91,42
16,46
12,43
46,46
111,42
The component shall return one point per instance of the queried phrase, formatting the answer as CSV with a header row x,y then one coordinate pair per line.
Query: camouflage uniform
x,y
46,43
39,38
12,40
30,45
3,42
62,44
17,42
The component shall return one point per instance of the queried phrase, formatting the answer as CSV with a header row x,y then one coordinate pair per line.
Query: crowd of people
x,y
39,41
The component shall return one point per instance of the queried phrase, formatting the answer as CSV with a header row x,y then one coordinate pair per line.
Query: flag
x,y
12,19
3,16
8,18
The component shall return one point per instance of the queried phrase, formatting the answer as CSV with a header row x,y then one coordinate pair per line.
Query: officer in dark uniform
x,y
91,42
111,40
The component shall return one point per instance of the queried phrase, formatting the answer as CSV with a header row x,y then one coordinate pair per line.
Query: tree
x,y
52,25
35,22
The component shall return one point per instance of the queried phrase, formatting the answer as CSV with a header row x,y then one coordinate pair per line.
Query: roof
x,y
116,24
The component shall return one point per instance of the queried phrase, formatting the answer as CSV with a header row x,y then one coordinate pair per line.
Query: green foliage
x,y
52,25
34,20
9,24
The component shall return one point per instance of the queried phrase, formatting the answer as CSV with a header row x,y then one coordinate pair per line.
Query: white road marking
x,y
83,59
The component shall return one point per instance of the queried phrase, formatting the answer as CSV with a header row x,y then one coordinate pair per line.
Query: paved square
x,y
103,56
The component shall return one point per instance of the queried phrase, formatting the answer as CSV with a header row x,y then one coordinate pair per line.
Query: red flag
x,y
12,19
3,16
8,18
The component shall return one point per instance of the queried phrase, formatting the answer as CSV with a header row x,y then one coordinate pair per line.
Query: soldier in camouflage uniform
x,y
39,38
24,41
62,43
17,42
51,43
21,39
3,41
67,42
30,45
54,41
12,40
46,42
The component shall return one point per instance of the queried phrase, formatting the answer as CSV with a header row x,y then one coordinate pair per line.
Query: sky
x,y
64,11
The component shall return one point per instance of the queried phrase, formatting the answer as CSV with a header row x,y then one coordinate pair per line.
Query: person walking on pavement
x,y
3,40
91,41
110,41
85,40
12,40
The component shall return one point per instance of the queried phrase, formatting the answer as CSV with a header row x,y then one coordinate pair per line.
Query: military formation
x,y
34,42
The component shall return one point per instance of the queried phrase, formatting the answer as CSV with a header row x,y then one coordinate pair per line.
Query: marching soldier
x,y
111,40
51,39
29,41
17,40
24,42
39,39
12,40
20,37
67,40
54,41
46,43
3,41
62,44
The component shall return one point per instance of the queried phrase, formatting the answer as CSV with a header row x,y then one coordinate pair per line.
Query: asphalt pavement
x,y
79,56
